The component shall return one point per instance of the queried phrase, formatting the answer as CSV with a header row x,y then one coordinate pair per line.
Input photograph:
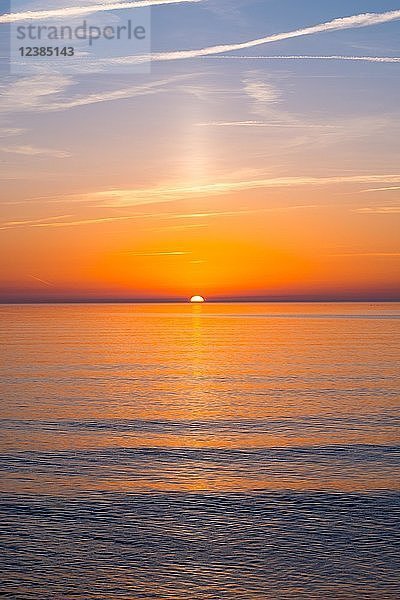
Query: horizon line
x,y
218,300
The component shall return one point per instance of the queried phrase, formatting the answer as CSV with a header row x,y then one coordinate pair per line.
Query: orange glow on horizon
x,y
297,246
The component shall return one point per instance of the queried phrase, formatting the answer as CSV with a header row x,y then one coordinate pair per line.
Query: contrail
x,y
362,20
41,280
78,11
373,59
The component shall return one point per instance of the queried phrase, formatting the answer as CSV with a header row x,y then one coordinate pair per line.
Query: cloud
x,y
373,59
261,92
80,11
32,222
239,212
382,189
119,198
178,227
171,193
43,281
32,93
266,124
33,151
10,131
263,98
57,222
83,222
378,210
42,93
153,87
226,213
355,21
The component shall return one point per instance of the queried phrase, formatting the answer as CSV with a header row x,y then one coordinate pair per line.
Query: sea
x,y
200,452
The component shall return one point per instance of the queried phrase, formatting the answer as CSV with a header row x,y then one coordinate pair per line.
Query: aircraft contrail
x,y
362,20
374,59
78,11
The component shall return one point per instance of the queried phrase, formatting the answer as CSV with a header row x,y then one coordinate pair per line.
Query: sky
x,y
229,168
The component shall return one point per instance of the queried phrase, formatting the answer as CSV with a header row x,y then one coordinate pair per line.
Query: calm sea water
x,y
243,451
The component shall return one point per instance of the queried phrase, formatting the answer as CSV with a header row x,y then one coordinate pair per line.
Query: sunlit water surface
x,y
243,451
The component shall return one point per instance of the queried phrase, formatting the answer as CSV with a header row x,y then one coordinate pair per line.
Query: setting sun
x,y
195,299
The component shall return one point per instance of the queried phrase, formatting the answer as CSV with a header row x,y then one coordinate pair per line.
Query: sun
x,y
195,299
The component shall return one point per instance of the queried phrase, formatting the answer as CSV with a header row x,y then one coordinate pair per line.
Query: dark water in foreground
x,y
205,452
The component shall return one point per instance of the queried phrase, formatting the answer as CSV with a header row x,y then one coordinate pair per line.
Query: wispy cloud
x,y
33,222
239,212
355,21
60,221
266,124
119,198
33,151
153,87
373,59
43,93
42,281
263,97
178,227
52,222
378,210
170,193
260,91
32,93
83,222
81,11
381,189
6,132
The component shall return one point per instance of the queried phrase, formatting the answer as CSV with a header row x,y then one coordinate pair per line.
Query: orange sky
x,y
307,248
